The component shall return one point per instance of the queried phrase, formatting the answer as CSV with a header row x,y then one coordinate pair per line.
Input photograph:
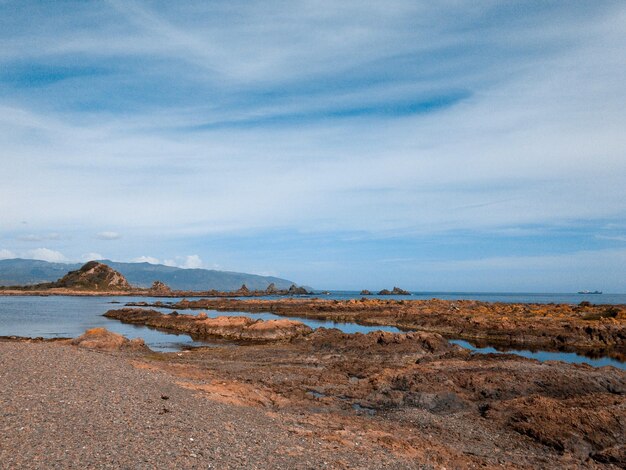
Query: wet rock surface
x,y
200,326
586,329
324,399
419,396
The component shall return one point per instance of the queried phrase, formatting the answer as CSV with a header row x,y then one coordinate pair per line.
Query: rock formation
x,y
365,292
395,291
93,276
596,330
160,288
200,326
295,290
103,339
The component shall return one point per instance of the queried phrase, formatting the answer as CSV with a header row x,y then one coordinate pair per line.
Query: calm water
x,y
513,297
545,355
63,317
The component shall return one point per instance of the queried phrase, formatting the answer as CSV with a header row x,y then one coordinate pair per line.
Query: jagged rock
x,y
244,289
271,288
395,291
365,292
93,276
398,291
295,290
159,287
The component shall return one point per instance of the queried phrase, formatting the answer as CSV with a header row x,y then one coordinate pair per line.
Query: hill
x,y
27,272
93,276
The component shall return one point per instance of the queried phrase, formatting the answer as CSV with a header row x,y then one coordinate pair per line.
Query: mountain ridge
x,y
20,271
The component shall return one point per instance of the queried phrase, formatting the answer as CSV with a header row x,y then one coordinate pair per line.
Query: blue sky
x,y
431,145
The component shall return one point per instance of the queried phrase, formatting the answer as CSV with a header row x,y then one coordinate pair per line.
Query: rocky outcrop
x,y
93,276
160,288
594,329
295,290
365,292
103,339
243,290
394,291
415,393
200,326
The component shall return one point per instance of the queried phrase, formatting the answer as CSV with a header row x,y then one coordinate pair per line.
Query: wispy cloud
x,y
108,236
46,254
617,238
409,119
38,238
185,262
7,254
91,257
146,259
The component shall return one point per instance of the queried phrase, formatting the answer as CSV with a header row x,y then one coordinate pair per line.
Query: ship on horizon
x,y
590,292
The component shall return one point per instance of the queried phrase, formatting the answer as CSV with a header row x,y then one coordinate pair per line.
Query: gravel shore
x,y
64,407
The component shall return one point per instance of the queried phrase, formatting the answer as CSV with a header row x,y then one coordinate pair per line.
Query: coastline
x,y
588,329
327,400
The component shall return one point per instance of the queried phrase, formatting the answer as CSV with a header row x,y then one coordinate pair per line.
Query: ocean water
x,y
68,317
65,317
505,297
543,356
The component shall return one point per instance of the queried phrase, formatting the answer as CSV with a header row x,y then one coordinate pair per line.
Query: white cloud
x,y
146,259
538,141
45,254
7,254
185,262
192,262
108,236
38,238
91,257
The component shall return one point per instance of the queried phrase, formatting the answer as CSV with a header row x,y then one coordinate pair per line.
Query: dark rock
x,y
295,290
395,291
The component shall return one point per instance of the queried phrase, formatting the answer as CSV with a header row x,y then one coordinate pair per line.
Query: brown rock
x,y
93,276
103,339
160,288
232,328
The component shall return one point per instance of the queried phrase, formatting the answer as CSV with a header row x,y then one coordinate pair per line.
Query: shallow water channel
x,y
58,316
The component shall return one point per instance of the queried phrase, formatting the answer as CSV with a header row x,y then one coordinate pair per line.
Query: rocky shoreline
x,y
98,279
332,400
595,330
202,327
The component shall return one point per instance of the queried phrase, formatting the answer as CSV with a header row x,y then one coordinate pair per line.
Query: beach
x,y
324,400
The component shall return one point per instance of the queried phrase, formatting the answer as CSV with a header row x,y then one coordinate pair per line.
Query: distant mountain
x,y
28,271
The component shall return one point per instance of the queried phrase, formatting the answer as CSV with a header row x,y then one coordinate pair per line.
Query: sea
x,y
68,316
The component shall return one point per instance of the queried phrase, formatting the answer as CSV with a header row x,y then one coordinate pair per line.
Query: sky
x,y
446,146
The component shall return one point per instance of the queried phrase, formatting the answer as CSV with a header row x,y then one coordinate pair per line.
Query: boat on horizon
x,y
590,292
